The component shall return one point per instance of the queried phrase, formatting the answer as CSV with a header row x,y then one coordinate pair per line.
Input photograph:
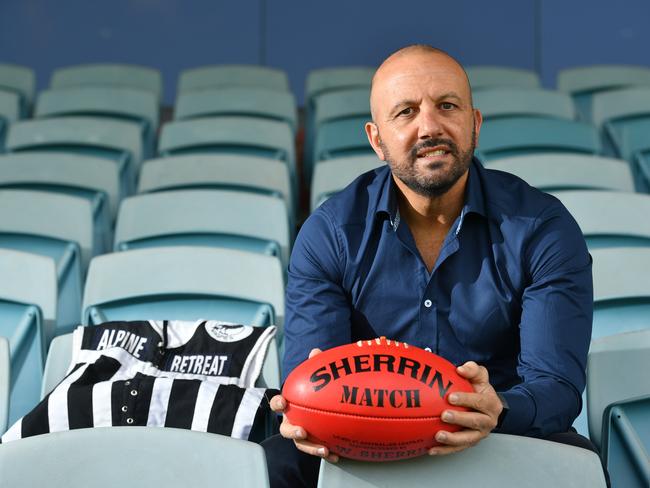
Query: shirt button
x,y
427,303
124,409
427,349
129,421
134,392
127,383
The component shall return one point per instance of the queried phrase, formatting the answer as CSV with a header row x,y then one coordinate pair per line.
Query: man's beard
x,y
431,185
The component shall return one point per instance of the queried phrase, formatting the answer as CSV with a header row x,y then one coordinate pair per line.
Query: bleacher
x,y
108,214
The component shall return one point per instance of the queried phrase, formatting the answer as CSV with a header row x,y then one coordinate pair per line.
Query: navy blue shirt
x,y
511,289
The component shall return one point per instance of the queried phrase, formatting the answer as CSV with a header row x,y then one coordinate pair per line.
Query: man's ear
x,y
373,137
478,120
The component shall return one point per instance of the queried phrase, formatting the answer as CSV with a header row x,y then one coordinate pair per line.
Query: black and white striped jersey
x,y
193,375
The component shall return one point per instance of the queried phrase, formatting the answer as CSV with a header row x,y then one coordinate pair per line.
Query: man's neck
x,y
421,211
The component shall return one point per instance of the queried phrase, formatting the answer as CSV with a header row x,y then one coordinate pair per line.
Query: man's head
x,y
424,125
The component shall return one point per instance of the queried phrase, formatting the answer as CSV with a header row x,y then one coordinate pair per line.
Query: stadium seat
x,y
185,282
527,102
232,75
616,370
221,171
215,218
515,136
20,80
128,104
609,219
230,135
332,110
341,138
333,175
59,227
118,141
9,112
248,102
107,74
560,172
481,77
125,456
497,461
626,442
583,82
5,385
635,148
27,316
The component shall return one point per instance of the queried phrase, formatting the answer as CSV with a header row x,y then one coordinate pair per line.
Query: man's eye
x,y
447,106
406,111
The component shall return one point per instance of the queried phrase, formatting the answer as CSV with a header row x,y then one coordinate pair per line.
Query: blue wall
x,y
299,35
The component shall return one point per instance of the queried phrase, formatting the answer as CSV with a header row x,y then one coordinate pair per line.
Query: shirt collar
x,y
474,196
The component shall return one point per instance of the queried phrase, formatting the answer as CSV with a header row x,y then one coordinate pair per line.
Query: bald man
x,y
439,252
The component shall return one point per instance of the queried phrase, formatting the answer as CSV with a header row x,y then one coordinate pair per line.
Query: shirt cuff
x,y
521,412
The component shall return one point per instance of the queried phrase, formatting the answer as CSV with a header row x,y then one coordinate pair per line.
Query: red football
x,y
375,400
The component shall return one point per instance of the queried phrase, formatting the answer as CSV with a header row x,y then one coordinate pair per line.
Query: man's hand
x,y
298,434
485,408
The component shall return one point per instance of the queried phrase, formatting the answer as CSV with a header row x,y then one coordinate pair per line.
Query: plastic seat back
x,y
227,75
5,386
481,77
512,102
341,138
497,461
161,457
20,80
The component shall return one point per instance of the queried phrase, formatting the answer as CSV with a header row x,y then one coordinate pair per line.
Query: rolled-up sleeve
x,y
555,329
317,308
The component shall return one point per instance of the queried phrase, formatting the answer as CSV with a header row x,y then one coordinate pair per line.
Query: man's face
x,y
425,128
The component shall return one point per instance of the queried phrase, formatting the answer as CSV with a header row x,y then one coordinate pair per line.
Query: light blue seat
x,y
514,136
137,106
116,140
616,370
216,218
621,299
560,172
56,226
234,75
635,148
221,171
185,282
95,179
5,385
331,176
609,218
331,109
533,102
27,316
9,112
109,74
231,135
341,138
626,442
142,456
249,102
481,77
497,461
20,80
583,82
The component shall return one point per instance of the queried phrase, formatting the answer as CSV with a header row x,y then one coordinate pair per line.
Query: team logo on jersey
x,y
228,332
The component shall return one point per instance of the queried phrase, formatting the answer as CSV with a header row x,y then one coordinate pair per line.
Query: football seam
x,y
401,419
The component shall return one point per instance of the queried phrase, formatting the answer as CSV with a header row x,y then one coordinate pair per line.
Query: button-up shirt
x,y
511,289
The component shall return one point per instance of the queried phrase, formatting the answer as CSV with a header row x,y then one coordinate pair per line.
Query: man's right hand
x,y
297,433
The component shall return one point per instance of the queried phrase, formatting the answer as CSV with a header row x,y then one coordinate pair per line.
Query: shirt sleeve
x,y
555,329
318,310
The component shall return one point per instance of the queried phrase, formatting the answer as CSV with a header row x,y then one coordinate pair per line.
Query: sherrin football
x,y
374,400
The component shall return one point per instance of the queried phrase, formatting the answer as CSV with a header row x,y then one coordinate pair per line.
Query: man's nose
x,y
430,126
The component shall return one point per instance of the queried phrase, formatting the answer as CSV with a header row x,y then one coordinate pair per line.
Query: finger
x,y
463,438
313,352
486,402
470,420
290,431
473,372
445,450
314,449
278,403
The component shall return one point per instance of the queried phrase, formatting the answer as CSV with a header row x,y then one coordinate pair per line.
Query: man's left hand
x,y
485,408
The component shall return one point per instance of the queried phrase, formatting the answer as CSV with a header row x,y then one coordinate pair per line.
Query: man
x,y
436,251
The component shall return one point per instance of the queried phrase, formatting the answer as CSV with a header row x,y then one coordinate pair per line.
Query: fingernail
x,y
321,451
453,398
432,452
447,416
441,436
297,433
